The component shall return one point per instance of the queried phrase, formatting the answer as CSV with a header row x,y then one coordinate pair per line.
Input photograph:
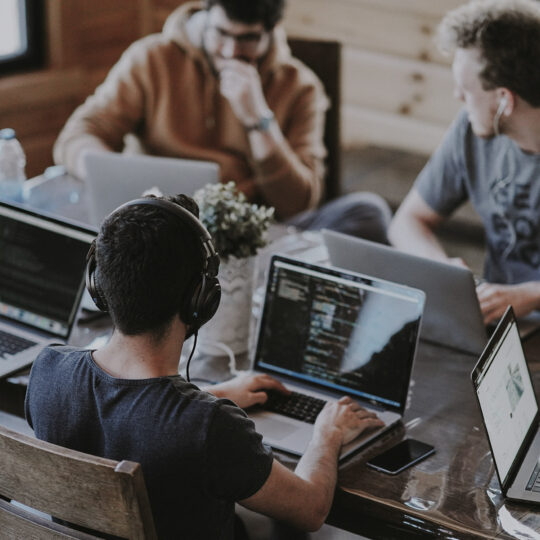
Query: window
x,y
21,29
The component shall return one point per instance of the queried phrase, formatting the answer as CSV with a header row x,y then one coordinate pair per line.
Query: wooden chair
x,y
324,59
106,496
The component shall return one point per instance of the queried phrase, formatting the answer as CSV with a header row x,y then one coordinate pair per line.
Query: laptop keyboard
x,y
11,345
295,405
534,482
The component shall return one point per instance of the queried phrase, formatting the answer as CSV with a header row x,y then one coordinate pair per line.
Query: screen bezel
x,y
26,212
507,320
416,294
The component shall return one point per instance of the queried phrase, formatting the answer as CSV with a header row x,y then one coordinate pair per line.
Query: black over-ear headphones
x,y
202,297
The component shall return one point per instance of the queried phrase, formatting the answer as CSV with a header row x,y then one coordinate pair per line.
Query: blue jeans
x,y
361,214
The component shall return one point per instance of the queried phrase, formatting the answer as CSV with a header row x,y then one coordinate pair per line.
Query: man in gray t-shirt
x,y
490,155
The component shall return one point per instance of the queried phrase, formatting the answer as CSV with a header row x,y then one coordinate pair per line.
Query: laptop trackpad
x,y
274,428
283,433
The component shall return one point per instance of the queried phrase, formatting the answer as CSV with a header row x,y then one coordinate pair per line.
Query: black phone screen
x,y
402,455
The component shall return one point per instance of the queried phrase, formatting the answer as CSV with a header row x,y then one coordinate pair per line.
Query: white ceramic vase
x,y
231,323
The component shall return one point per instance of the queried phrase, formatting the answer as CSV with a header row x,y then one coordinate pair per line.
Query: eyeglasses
x,y
248,41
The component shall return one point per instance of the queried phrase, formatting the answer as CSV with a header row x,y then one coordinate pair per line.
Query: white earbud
x,y
496,119
502,105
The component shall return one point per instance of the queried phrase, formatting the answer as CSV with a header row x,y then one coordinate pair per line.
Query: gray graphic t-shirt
x,y
503,184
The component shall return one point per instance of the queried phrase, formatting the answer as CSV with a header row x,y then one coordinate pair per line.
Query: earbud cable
x,y
195,335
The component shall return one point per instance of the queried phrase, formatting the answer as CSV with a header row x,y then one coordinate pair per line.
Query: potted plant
x,y
238,229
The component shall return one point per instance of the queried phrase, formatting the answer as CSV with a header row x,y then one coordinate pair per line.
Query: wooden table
x,y
453,494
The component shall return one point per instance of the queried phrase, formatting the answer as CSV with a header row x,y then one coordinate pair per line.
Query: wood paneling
x,y
385,26
400,86
397,88
364,125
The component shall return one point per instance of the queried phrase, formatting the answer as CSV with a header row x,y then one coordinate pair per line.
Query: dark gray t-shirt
x,y
199,454
503,184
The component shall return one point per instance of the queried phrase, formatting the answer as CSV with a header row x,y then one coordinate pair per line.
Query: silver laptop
x,y
42,263
505,393
452,315
326,333
114,179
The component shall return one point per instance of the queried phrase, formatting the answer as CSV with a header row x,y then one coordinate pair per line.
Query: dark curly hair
x,y
507,34
146,262
267,12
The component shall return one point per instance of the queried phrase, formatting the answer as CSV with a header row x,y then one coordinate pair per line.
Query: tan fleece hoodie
x,y
163,90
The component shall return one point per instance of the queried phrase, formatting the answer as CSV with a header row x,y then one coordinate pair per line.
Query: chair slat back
x,y
88,491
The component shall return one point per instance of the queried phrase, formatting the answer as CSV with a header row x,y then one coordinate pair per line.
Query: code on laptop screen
x,y
340,330
41,269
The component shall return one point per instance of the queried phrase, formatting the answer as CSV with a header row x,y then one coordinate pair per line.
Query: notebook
x,y
42,264
509,408
114,178
452,315
326,333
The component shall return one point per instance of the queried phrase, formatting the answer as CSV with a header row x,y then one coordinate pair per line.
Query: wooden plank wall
x,y
397,90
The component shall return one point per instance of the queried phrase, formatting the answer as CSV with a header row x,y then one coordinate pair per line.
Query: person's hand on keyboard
x,y
347,418
247,390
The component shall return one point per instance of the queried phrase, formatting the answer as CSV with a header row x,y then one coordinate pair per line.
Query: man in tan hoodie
x,y
219,84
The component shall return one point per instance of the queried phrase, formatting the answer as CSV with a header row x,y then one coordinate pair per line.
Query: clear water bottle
x,y
12,163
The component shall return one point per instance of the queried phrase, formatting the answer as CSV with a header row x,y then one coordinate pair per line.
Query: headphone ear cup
x,y
201,305
210,299
97,294
91,280
98,297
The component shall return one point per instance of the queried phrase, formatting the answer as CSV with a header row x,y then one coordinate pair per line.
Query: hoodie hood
x,y
176,29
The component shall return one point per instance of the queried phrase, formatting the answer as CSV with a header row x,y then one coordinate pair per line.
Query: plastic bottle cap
x,y
7,134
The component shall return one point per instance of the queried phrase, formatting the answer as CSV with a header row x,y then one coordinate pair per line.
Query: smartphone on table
x,y
401,456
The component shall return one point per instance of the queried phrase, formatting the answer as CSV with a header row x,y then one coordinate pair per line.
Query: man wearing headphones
x,y
153,268
491,154
219,84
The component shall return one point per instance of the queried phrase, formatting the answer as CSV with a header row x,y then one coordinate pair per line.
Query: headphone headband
x,y
211,258
203,296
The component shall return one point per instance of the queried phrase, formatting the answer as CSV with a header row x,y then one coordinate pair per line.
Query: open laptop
x,y
42,264
505,393
326,333
114,178
452,315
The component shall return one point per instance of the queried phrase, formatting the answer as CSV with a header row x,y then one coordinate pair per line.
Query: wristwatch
x,y
264,122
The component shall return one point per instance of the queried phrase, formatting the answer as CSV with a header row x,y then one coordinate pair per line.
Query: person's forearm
x,y
411,235
495,297
287,184
76,139
318,466
529,293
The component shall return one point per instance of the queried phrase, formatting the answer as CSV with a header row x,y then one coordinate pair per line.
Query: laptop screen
x,y
42,263
505,394
339,330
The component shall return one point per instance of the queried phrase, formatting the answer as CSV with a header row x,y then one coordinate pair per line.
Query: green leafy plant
x,y
237,227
